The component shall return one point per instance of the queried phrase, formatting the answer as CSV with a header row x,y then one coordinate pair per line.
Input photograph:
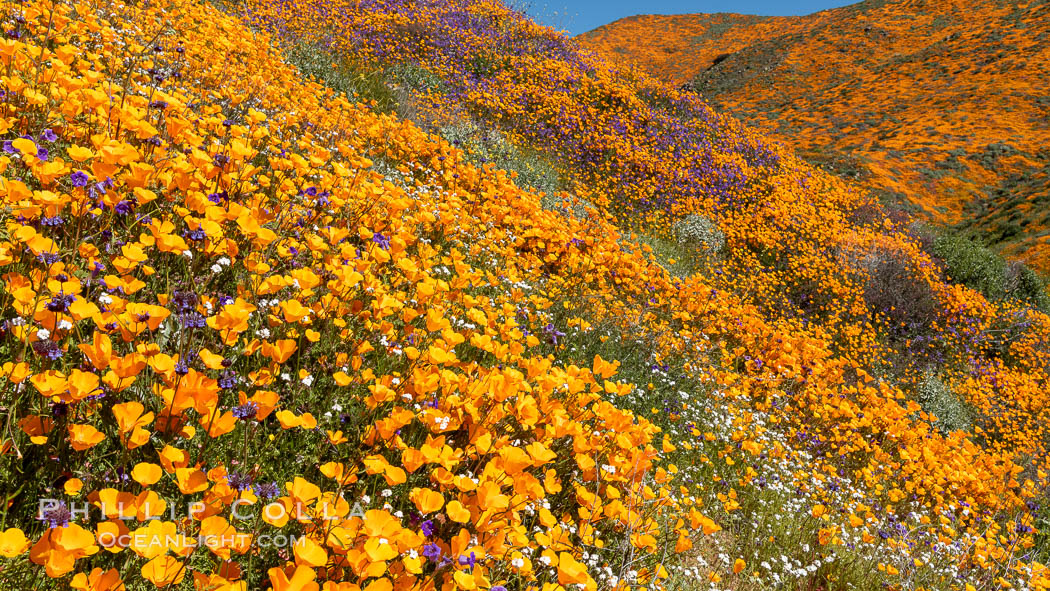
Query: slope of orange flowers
x,y
940,104
256,335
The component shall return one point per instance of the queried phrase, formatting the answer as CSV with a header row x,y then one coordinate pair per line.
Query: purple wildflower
x,y
241,482
182,367
192,320
48,349
57,514
228,380
246,411
382,241
432,551
185,301
468,561
61,302
267,490
553,333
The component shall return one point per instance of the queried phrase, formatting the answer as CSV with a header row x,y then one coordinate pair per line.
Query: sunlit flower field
x,y
396,294
940,105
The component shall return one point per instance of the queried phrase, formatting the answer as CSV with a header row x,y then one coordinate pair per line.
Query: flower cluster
x,y
911,105
241,310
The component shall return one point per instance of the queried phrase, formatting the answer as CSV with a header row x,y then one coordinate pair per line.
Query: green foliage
x,y
679,260
416,77
977,267
1041,549
936,398
487,145
970,264
392,90
1026,285
700,233
696,244
359,83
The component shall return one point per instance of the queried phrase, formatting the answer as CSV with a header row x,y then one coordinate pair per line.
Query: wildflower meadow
x,y
340,295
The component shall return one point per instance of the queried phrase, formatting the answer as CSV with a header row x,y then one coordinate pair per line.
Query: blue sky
x,y
578,16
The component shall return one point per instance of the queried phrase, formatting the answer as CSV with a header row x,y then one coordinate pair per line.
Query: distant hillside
x,y
377,295
941,105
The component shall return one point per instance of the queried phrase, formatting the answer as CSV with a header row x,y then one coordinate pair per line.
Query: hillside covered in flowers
x,y
937,105
353,295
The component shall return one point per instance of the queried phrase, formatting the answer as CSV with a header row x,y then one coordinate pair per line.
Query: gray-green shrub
x,y
936,398
484,145
976,266
359,83
701,233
